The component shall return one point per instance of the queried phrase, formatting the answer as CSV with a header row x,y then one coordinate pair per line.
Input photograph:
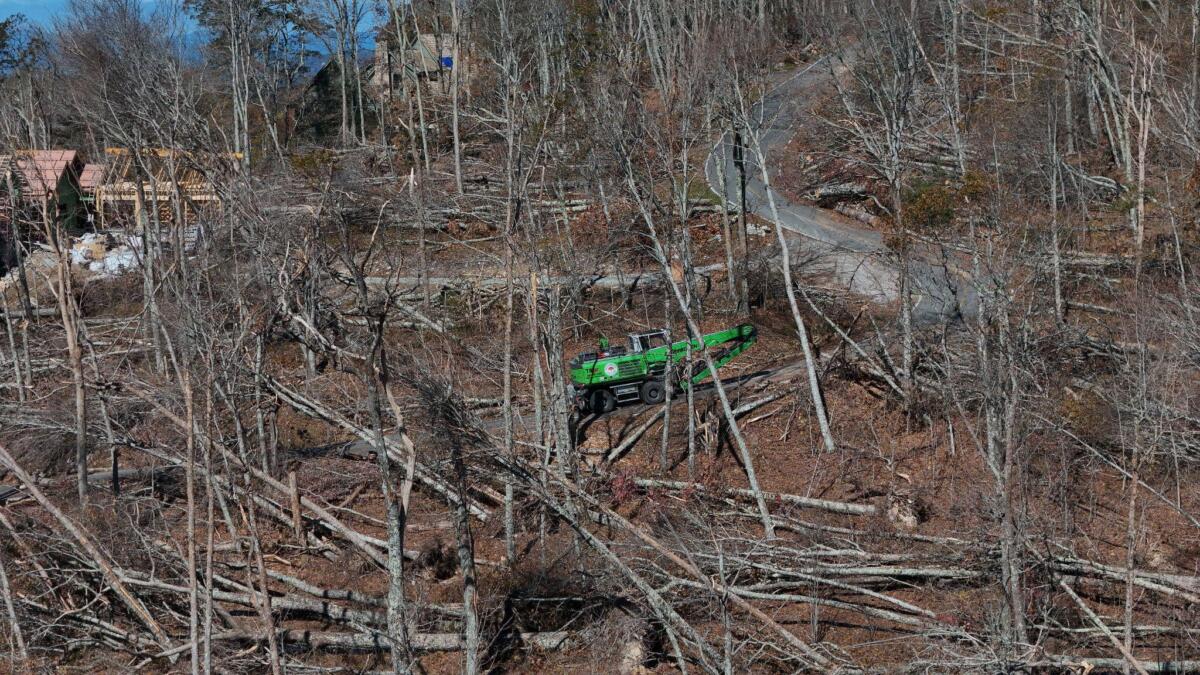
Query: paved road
x,y
850,254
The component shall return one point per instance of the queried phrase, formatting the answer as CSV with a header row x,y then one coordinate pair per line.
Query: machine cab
x,y
644,342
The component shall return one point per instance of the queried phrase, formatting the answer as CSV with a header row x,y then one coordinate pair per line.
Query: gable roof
x,y
42,170
91,177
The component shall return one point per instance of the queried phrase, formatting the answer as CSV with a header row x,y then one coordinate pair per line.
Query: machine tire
x,y
602,401
652,391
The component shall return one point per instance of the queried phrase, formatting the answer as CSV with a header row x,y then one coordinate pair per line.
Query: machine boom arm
x,y
731,344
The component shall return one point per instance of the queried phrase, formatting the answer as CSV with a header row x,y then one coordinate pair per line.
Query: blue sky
x,y
39,11
42,12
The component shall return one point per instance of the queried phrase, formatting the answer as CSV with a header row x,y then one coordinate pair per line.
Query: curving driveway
x,y
852,256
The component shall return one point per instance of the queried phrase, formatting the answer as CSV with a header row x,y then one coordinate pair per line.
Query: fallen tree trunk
x,y
99,629
36,311
1091,615
616,281
331,521
312,408
634,436
868,610
806,502
630,440
1183,585
286,604
373,642
1085,664
805,652
100,558
294,604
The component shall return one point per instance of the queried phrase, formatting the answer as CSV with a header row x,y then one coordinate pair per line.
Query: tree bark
x,y
466,562
13,624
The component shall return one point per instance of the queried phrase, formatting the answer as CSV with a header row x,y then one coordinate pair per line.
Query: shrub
x,y
931,207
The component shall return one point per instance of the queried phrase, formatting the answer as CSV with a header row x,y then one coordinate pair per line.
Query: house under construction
x,y
126,185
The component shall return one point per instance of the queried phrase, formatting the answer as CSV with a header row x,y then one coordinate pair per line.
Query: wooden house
x,y
35,184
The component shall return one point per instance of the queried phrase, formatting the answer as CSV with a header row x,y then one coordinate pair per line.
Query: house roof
x,y
41,170
91,177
